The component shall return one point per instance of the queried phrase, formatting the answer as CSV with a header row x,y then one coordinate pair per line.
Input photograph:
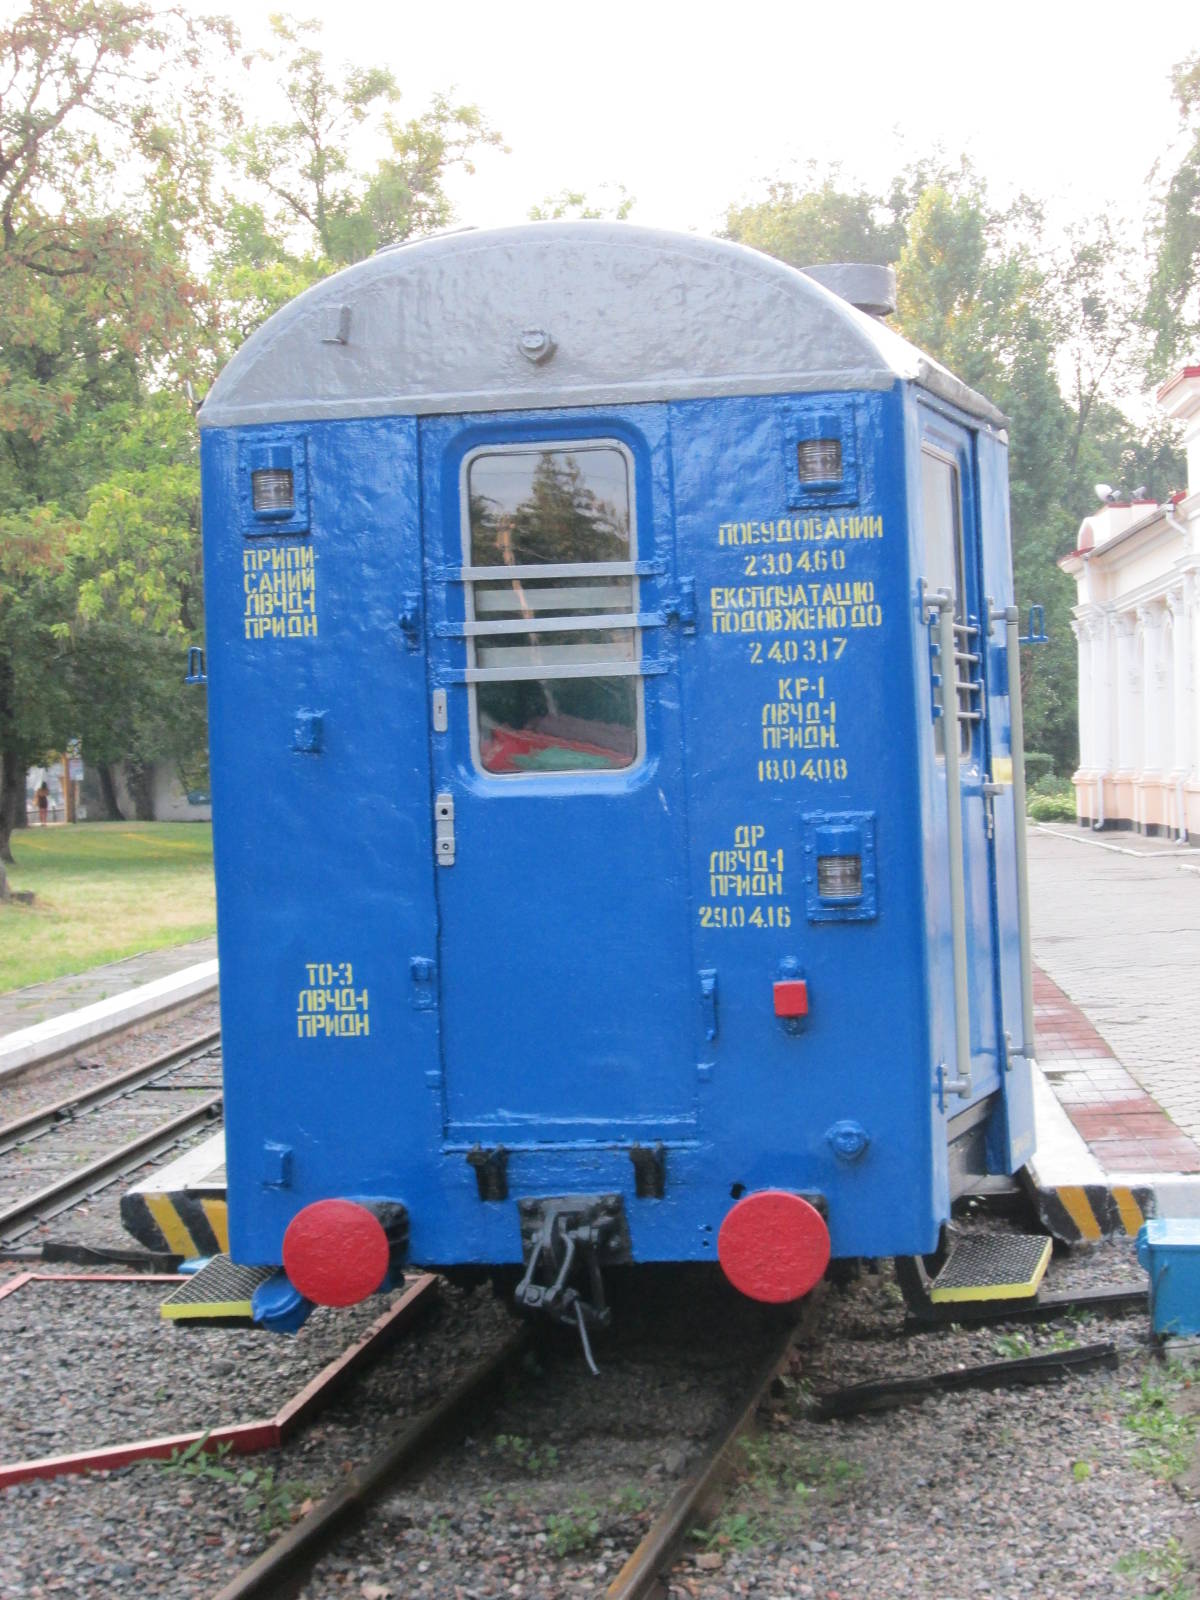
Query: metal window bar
x,y
579,623
607,597
598,652
646,668
960,1084
968,683
562,569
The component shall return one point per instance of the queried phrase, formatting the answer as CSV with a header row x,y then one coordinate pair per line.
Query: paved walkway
x,y
20,1008
1116,927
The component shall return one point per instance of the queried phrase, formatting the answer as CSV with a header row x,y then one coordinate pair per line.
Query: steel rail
x,y
887,1393
640,1574
20,1217
1108,1301
282,1570
34,1123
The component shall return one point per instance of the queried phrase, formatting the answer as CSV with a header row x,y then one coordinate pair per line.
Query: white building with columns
x,y
1137,571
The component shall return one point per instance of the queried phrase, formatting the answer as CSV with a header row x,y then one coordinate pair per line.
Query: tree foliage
x,y
813,222
149,221
1048,334
146,227
1173,302
303,206
105,183
613,203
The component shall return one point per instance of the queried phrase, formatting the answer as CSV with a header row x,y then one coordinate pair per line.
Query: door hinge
x,y
423,972
990,791
443,826
708,1001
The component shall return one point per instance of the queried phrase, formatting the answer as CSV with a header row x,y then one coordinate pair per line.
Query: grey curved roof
x,y
560,314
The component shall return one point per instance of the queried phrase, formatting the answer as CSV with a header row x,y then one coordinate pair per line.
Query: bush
x,y
1060,787
1038,766
1052,807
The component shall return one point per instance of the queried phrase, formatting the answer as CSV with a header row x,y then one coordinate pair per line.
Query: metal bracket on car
x,y
491,1171
649,1171
563,1242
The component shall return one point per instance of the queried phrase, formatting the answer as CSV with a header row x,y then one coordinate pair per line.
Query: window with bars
x,y
553,637
941,497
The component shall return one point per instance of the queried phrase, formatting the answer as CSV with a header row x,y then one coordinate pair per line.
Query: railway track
x,y
495,1389
406,1481
62,1153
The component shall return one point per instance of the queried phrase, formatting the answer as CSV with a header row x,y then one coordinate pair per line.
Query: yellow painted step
x,y
1002,1266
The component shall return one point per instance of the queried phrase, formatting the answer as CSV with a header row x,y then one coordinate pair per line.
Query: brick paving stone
x,y
1116,936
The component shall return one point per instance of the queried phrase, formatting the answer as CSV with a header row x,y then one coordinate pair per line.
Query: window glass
x,y
942,515
553,508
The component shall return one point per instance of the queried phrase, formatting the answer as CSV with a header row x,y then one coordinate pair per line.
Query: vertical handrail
x,y
1020,844
961,1083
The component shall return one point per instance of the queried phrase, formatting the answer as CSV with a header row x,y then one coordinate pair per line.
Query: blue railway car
x,y
616,770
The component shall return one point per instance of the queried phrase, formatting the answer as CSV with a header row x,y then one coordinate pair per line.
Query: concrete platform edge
x,y
58,1036
1077,1201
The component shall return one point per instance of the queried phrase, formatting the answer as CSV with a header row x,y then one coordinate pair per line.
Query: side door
x,y
953,565
566,1011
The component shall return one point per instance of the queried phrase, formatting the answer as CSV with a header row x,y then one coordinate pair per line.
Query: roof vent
x,y
869,287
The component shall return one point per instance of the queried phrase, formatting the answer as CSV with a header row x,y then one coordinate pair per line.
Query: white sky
x,y
693,105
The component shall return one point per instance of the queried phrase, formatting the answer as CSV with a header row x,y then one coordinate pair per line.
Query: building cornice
x,y
1173,383
1181,579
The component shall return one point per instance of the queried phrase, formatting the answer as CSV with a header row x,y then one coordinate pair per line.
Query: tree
x,y
104,182
613,204
1173,302
134,559
817,222
311,209
1048,335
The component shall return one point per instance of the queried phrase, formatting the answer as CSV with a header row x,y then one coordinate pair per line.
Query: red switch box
x,y
791,998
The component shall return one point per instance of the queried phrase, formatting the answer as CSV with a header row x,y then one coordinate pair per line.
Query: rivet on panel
x,y
536,345
848,1140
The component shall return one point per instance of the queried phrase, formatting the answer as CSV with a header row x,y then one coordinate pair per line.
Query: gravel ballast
x,y
92,1064
1049,1492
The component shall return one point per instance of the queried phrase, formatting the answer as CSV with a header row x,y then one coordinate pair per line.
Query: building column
x,y
1125,693
1155,757
1181,637
1189,709
1080,629
1102,698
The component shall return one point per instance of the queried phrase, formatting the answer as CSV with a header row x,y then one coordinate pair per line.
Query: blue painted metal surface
x,y
595,968
1169,1249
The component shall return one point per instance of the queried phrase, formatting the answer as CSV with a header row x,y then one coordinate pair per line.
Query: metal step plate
x,y
219,1292
1002,1266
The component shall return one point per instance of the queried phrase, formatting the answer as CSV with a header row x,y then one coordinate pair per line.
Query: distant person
x,y
43,802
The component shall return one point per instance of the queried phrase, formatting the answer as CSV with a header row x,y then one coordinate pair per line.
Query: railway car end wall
x,y
323,834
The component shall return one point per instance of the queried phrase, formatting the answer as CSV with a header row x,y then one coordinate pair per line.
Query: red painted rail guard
x,y
243,1437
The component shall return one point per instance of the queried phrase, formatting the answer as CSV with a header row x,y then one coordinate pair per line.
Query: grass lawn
x,y
104,890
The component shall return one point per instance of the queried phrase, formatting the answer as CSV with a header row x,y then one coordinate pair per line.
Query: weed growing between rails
x,y
1163,1415
277,1502
781,1480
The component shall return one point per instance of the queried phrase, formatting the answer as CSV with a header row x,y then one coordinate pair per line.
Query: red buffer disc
x,y
774,1246
335,1252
